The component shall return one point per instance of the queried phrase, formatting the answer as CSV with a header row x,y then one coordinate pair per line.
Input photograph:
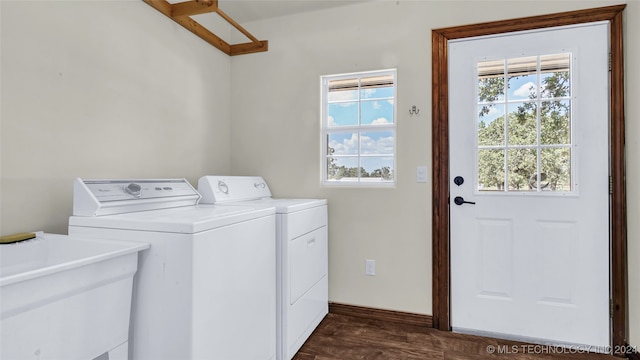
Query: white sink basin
x,y
66,298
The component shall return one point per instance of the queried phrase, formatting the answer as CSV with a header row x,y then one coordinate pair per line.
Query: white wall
x,y
102,89
275,133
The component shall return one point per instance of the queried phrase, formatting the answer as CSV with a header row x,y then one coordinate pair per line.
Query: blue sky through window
x,y
359,121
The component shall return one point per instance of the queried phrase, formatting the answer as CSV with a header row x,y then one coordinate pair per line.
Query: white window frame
x,y
359,128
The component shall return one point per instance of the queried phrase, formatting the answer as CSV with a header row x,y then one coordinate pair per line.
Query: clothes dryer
x,y
302,253
205,288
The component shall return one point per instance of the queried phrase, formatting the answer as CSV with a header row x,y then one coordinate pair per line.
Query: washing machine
x,y
301,252
206,287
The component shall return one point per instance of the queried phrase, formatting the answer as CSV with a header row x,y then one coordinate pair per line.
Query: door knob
x,y
459,200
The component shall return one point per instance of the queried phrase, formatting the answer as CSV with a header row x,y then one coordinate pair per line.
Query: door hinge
x,y
610,185
610,61
611,308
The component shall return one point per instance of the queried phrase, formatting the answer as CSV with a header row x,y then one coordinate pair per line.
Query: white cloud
x,y
343,95
526,89
349,146
383,145
493,111
369,93
379,121
330,121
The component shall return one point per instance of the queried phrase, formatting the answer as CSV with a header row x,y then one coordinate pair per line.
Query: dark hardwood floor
x,y
344,337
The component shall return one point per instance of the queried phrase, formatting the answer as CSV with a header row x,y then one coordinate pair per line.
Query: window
x,y
359,128
524,125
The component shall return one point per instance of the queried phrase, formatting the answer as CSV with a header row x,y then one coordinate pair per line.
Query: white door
x,y
529,146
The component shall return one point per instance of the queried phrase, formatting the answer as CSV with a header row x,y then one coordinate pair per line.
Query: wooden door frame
x,y
441,290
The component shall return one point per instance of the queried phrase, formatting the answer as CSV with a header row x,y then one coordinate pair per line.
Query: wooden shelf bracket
x,y
182,12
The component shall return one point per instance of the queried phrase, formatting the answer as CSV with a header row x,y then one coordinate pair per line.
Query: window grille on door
x,y
524,138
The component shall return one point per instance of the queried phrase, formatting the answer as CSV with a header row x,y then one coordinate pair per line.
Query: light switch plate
x,y
369,267
421,174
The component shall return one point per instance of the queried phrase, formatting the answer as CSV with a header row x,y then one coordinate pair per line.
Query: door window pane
x,y
556,168
523,78
491,125
522,165
491,81
491,170
554,75
522,123
534,154
555,122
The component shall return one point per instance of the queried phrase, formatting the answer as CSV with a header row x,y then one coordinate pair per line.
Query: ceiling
x,y
244,11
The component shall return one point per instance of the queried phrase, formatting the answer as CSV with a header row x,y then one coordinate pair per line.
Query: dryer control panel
x,y
115,196
221,189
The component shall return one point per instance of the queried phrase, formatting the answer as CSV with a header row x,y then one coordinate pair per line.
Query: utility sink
x,y
64,297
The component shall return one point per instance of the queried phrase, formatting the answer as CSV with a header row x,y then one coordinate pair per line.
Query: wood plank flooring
x,y
343,337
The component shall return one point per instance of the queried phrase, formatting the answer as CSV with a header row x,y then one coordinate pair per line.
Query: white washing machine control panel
x,y
222,189
114,196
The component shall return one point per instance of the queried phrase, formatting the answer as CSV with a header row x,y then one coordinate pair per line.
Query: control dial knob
x,y
223,187
133,189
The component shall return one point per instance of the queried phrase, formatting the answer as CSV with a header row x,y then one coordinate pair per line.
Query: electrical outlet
x,y
369,267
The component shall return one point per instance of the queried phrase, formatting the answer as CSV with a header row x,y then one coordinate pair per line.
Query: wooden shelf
x,y
182,12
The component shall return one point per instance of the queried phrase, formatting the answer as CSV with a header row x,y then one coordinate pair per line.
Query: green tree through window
x,y
524,134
